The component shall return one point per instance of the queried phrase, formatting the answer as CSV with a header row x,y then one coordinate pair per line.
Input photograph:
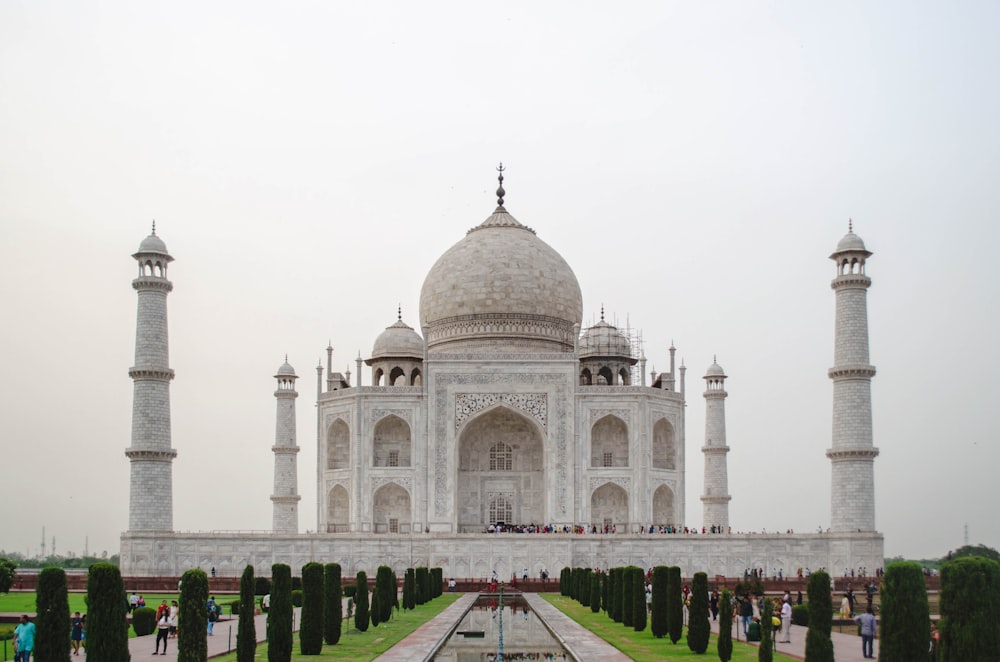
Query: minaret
x,y
151,502
852,454
716,498
286,493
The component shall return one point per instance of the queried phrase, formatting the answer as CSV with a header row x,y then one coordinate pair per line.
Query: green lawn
x,y
361,646
643,646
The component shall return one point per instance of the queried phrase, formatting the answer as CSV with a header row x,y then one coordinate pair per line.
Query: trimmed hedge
x,y
297,597
52,620
333,615
245,607
311,625
819,646
107,628
595,592
192,619
699,627
724,643
143,621
905,615
765,652
658,618
628,600
970,608
638,599
409,589
361,615
800,615
675,604
279,618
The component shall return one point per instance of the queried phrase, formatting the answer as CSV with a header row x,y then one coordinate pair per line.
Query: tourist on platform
x,y
786,620
868,627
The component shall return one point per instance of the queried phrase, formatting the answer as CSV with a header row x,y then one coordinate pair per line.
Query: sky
x,y
307,163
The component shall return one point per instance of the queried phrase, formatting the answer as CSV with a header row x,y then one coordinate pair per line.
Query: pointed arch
x,y
338,445
586,378
391,509
609,506
606,374
609,442
391,442
397,377
624,377
512,444
377,377
663,507
664,445
416,378
338,510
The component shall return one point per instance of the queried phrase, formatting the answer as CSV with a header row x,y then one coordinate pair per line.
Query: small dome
x,y
398,341
286,370
715,370
153,244
603,339
851,242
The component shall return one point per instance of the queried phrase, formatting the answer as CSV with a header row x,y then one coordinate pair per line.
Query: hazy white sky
x,y
306,163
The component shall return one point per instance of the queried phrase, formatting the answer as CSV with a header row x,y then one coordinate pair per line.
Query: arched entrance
x,y
391,506
500,471
609,506
663,507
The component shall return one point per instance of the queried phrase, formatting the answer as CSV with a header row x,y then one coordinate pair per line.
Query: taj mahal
x,y
502,435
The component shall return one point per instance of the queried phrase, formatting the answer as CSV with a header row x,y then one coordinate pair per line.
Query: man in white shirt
x,y
786,620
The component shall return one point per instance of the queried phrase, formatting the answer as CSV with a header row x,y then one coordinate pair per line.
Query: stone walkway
x,y
426,639
846,645
581,643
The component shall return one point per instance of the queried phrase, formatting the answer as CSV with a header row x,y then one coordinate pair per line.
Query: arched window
x,y
586,379
338,452
664,448
501,457
397,377
501,509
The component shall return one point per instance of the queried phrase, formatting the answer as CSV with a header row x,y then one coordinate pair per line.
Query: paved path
x,y
581,643
846,645
427,638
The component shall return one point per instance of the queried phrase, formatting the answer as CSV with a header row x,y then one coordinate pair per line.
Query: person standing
x,y
868,626
76,632
713,604
746,612
162,631
786,620
24,640
174,611
213,614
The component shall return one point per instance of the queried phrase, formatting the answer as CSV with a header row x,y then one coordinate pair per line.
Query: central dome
x,y
501,289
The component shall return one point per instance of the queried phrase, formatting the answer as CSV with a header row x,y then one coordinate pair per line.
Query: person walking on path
x,y
76,632
162,631
746,612
24,640
786,620
868,626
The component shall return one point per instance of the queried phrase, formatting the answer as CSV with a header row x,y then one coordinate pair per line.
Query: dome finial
x,y
154,227
500,191
286,357
602,312
850,225
399,312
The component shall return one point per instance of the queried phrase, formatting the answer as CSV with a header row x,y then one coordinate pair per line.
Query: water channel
x,y
476,638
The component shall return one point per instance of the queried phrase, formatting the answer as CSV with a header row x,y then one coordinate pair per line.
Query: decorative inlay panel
x,y
378,481
535,405
624,482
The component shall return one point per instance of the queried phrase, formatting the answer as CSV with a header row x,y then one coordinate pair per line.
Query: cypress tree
x,y
361,615
422,583
311,625
438,581
675,604
658,618
333,614
246,632
765,652
409,589
107,628
373,608
699,627
606,592
905,615
192,619
618,599
638,599
52,620
279,617
970,608
584,590
819,647
385,586
725,641
628,601
595,592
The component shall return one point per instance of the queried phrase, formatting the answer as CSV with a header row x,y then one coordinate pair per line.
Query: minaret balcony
x,y
152,283
285,450
164,374
715,450
150,454
852,371
852,454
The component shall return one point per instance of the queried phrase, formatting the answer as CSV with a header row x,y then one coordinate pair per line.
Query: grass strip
x,y
363,646
643,646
